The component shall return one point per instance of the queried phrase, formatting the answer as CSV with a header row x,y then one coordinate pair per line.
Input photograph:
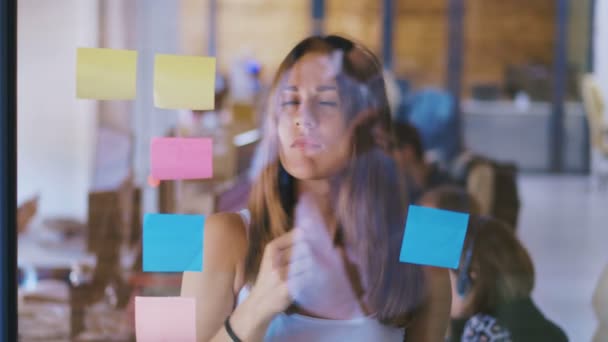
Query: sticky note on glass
x,y
433,237
165,319
181,158
106,74
173,243
184,82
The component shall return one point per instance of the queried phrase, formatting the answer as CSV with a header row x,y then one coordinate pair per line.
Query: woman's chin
x,y
303,174
305,171
319,167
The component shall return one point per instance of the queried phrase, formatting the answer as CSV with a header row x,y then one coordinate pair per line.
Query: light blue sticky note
x,y
433,237
173,243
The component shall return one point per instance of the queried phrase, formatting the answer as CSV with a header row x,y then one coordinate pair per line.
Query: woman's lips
x,y
306,144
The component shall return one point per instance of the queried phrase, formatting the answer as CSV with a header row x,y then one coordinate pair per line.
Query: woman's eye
x,y
290,103
328,103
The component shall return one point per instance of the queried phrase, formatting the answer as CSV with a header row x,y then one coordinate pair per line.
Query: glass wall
x,y
86,182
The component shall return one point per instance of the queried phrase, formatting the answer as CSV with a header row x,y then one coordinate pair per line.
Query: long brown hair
x,y
370,213
500,270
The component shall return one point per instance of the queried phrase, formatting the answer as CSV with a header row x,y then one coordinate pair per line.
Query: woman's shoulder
x,y
483,327
227,220
226,233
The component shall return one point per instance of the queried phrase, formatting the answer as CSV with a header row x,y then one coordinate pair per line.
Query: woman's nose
x,y
305,117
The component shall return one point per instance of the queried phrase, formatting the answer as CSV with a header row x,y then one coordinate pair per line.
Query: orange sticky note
x,y
184,82
153,182
165,319
106,74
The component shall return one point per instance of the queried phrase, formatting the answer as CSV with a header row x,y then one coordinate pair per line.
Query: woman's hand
x,y
326,291
281,263
457,309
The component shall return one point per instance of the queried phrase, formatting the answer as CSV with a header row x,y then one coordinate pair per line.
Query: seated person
x,y
420,175
491,290
450,197
431,111
492,183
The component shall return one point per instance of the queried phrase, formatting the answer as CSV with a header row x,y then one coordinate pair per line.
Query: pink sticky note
x,y
181,158
165,319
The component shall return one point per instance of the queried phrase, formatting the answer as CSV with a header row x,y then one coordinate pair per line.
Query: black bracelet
x,y
230,331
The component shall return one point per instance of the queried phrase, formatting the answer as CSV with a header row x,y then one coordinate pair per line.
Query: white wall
x,y
55,130
601,48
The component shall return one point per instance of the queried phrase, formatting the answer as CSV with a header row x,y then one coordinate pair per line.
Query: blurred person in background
x,y
431,111
419,174
491,289
492,183
450,197
316,255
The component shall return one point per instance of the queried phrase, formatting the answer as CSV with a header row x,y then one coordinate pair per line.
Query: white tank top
x,y
300,328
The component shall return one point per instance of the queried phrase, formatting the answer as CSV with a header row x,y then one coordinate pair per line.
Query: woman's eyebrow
x,y
289,88
326,88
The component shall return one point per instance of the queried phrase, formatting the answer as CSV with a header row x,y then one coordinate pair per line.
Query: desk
x,y
499,130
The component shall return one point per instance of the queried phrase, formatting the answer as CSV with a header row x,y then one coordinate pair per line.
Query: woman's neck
x,y
320,191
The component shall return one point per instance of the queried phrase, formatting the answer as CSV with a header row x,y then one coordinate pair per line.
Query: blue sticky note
x,y
433,237
173,243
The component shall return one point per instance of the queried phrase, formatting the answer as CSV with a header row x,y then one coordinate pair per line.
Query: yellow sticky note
x,y
106,74
184,82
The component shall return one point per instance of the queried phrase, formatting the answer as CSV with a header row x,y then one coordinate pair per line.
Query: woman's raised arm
x,y
225,245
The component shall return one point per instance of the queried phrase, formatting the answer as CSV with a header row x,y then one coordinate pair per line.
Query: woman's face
x,y
313,139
